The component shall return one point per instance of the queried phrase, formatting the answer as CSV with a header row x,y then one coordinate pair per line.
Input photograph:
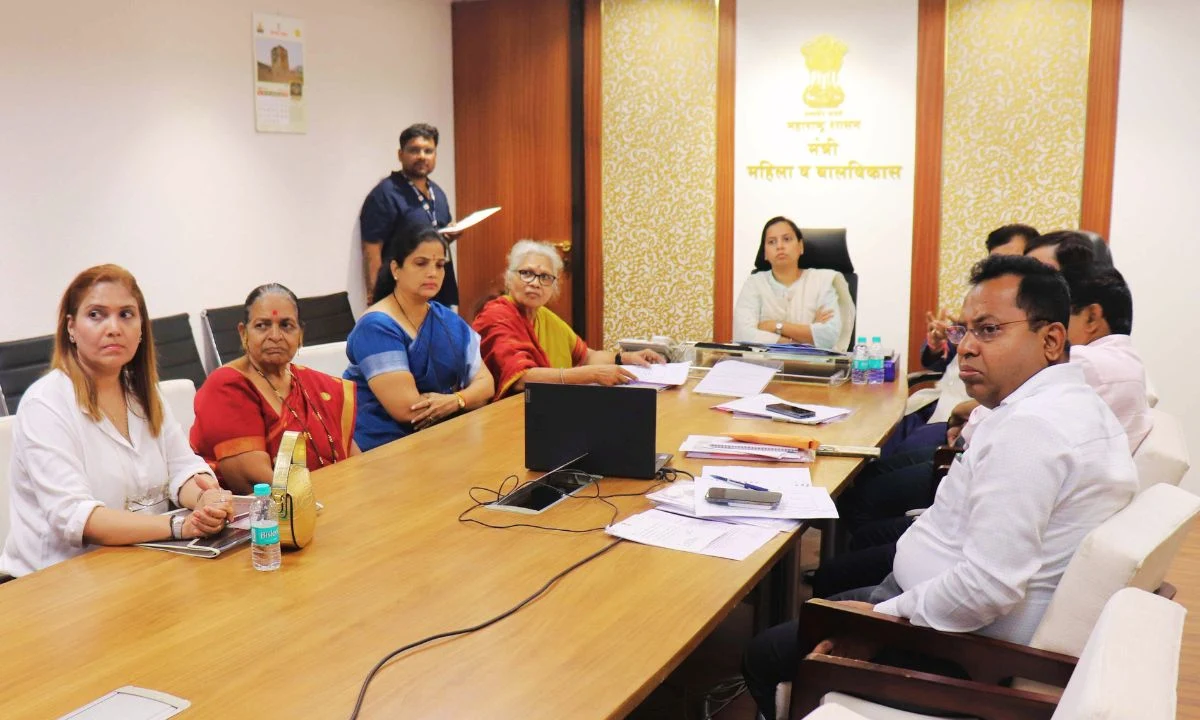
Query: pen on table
x,y
739,483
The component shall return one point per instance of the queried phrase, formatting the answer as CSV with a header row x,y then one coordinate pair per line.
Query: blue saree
x,y
442,358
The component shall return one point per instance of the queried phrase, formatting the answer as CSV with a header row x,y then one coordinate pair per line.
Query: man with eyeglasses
x,y
1048,465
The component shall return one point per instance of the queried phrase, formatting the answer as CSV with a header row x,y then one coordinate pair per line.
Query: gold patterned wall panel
x,y
1016,105
658,156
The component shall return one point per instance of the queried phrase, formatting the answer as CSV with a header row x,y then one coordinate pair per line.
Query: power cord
x,y
362,693
722,695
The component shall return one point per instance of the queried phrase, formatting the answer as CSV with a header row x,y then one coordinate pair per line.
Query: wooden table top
x,y
391,564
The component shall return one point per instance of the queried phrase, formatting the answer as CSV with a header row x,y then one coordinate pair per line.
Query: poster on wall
x,y
279,74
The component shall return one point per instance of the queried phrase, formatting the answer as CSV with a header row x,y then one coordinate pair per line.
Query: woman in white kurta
x,y
782,302
97,456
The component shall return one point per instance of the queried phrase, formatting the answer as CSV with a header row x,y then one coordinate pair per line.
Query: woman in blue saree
x,y
413,360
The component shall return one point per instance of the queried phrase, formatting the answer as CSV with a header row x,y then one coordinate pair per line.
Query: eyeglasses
x,y
528,276
984,333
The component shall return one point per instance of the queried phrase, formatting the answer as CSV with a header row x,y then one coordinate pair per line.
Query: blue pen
x,y
739,483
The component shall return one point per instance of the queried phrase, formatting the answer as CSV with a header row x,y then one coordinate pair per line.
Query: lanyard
x,y
430,203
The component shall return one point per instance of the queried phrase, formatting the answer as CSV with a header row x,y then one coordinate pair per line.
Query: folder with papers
x,y
723,447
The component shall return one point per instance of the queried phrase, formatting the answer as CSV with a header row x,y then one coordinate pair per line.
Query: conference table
x,y
391,563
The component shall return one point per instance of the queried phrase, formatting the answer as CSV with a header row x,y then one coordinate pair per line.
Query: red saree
x,y
233,417
511,345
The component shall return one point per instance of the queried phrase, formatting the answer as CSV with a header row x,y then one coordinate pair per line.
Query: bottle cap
x,y
875,339
862,340
262,490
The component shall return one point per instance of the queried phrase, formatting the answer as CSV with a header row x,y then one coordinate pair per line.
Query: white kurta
x,y
763,298
65,465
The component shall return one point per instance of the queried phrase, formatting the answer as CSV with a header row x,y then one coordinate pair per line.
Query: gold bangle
x,y
561,381
462,403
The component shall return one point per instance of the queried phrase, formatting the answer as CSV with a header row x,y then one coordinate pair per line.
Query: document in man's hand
x,y
471,220
676,532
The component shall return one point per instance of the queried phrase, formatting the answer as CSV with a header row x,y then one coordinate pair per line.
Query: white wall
x,y
1155,209
879,78
127,136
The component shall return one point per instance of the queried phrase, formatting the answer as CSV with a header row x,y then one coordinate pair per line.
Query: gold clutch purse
x,y
292,493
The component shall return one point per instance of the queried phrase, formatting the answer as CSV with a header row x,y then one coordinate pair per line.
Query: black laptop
x,y
613,426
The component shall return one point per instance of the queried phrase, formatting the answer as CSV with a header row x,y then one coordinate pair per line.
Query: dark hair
x,y
1074,249
1107,288
1004,235
405,241
420,130
760,260
269,289
1042,294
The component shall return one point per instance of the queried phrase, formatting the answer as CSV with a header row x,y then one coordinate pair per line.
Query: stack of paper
x,y
684,520
660,376
755,406
723,447
734,378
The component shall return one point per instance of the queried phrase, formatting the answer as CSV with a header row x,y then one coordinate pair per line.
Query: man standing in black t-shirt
x,y
407,197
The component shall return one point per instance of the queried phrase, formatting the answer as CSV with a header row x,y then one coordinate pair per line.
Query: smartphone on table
x,y
793,411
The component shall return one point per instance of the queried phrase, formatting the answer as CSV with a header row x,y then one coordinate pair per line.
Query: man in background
x,y
408,198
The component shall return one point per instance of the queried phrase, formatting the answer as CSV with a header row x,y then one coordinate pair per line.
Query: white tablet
x,y
130,703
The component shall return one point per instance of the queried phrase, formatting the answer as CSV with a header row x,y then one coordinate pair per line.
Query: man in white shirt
x,y
1046,467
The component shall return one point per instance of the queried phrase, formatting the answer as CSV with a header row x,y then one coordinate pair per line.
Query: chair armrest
x,y
920,378
985,659
882,683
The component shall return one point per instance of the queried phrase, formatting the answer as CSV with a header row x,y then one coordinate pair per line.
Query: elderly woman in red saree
x,y
523,341
245,406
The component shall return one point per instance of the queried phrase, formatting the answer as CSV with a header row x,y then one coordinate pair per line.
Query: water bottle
x,y
858,367
875,363
264,530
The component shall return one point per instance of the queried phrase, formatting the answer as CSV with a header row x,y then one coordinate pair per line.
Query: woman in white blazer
x,y
784,302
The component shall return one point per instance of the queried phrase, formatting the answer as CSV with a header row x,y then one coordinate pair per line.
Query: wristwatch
x,y
778,328
177,527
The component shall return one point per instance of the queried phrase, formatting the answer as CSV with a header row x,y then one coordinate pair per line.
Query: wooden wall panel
x,y
723,259
927,191
592,174
512,134
1100,140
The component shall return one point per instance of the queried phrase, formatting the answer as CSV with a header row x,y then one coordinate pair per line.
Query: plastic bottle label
x,y
265,535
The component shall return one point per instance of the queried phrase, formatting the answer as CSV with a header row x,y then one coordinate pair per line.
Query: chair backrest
x,y
329,358
180,396
826,248
1133,548
1103,254
6,449
221,339
1163,455
326,318
175,347
1130,665
22,362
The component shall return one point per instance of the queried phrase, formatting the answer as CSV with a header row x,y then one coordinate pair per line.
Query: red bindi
x,y
274,313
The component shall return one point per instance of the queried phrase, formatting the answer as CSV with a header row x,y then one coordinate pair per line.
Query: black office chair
x,y
327,318
21,363
178,358
826,248
219,327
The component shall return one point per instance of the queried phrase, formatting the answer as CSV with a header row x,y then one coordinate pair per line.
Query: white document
x,y
800,500
471,220
734,378
756,406
662,375
722,447
676,532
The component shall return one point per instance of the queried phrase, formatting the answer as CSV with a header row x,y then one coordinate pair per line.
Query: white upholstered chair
x,y
1129,669
180,396
1163,455
329,358
6,450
